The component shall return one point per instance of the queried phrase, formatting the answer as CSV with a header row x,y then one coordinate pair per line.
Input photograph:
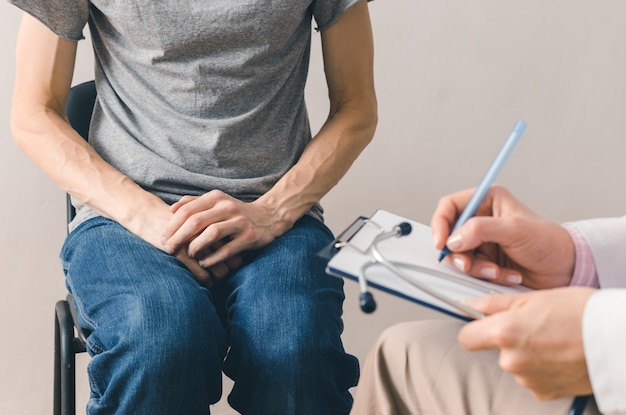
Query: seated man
x,y
561,341
197,196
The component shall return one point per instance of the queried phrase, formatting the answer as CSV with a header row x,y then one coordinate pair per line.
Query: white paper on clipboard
x,y
414,249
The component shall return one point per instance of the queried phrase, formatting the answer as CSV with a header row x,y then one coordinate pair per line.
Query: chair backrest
x,y
79,107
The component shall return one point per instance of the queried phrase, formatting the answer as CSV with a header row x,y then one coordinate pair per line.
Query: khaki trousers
x,y
419,368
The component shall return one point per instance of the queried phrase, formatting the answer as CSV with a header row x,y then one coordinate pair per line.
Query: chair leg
x,y
57,364
64,362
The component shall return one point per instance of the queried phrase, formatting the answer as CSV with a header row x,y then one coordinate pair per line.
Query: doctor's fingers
x,y
448,210
498,202
499,330
506,232
552,383
482,267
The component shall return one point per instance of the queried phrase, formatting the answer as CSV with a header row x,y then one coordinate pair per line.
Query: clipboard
x,y
416,255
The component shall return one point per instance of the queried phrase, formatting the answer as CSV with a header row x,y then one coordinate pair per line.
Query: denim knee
x,y
176,325
284,314
164,357
156,340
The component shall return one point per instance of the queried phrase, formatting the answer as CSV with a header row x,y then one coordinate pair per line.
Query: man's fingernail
x,y
454,242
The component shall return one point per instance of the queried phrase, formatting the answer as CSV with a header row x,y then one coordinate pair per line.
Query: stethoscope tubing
x,y
380,259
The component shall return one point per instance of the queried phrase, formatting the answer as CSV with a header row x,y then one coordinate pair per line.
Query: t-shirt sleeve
x,y
66,18
326,12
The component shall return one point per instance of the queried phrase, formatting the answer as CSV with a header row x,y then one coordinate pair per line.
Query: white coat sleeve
x,y
604,319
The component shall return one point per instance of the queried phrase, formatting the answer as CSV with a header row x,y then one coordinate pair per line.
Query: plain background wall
x,y
452,78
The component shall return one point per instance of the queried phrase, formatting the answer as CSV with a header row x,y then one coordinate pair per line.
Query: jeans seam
x,y
90,323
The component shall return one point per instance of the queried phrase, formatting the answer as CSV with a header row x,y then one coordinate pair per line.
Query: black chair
x,y
69,339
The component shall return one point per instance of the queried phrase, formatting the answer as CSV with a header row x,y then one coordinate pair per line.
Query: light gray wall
x,y
452,79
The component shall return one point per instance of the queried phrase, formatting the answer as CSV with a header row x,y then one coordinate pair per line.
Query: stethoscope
x,y
366,299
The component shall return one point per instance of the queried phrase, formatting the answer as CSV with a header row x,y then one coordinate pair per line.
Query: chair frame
x,y
69,338
67,343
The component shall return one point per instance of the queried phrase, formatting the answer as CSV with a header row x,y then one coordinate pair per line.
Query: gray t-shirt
x,y
198,95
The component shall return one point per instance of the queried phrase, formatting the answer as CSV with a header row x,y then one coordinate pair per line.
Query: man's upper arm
x,y
349,57
44,69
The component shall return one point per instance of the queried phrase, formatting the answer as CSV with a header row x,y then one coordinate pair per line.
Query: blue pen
x,y
487,181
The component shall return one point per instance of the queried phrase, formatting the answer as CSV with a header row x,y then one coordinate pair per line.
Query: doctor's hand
x,y
217,227
539,335
505,242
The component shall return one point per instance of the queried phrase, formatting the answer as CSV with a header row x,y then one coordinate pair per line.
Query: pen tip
x,y
443,254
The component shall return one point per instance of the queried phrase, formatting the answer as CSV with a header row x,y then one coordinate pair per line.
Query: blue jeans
x,y
159,340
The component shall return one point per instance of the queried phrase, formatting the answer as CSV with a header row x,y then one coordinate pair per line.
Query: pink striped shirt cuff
x,y
585,274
